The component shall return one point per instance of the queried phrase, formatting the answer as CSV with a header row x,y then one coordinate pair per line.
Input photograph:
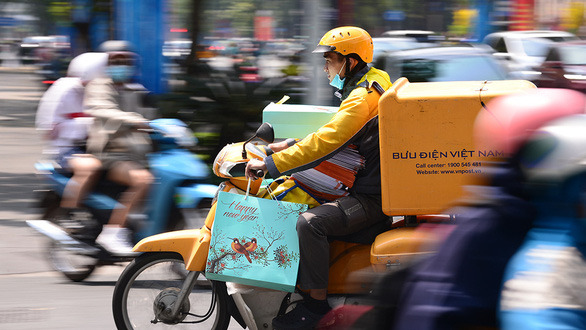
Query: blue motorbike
x,y
179,198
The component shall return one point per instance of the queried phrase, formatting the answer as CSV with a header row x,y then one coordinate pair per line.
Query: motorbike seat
x,y
64,172
366,235
108,187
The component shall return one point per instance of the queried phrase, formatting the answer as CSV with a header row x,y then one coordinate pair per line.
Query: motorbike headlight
x,y
184,137
175,130
232,169
225,168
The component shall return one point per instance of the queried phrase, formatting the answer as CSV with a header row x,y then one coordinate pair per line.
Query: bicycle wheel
x,y
151,283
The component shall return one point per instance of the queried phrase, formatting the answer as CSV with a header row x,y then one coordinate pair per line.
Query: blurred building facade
x,y
89,22
149,23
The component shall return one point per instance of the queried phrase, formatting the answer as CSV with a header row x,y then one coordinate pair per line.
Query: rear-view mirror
x,y
266,133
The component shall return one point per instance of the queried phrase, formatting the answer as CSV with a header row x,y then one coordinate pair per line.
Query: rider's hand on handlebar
x,y
253,166
278,146
142,125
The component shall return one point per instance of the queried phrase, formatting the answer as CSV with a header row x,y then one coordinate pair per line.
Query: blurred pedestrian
x,y
459,286
116,141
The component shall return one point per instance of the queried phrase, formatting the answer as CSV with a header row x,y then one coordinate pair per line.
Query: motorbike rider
x,y
60,113
459,286
543,286
347,51
116,141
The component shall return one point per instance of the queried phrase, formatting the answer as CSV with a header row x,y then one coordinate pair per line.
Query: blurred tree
x,y
419,14
240,14
196,6
463,22
573,17
38,9
233,18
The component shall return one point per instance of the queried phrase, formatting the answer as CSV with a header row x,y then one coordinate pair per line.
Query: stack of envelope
x,y
332,178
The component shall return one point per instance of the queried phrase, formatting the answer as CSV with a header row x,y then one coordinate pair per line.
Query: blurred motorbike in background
x,y
179,198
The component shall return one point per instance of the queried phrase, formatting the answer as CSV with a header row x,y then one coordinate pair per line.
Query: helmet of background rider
x,y
555,152
88,66
506,122
347,40
121,60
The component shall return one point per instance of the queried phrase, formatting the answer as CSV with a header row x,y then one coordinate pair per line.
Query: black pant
x,y
344,216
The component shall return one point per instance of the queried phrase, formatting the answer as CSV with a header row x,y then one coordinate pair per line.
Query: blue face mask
x,y
337,82
120,73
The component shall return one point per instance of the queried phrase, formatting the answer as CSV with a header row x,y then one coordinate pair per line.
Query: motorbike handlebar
x,y
259,173
268,151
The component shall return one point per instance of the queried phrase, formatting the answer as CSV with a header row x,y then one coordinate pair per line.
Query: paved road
x,y
34,296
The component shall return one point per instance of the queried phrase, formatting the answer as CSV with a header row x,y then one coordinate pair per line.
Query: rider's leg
x,y
86,171
138,179
318,294
342,217
115,237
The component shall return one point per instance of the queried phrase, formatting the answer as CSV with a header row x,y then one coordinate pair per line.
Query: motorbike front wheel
x,y
151,283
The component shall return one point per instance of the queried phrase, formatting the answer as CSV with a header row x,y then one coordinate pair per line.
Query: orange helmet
x,y
347,40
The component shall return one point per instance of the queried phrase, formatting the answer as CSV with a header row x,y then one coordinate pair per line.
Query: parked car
x,y
177,50
36,49
564,66
28,48
418,35
442,63
383,45
525,50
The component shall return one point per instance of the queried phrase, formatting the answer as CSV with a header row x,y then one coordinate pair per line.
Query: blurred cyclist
x,y
116,141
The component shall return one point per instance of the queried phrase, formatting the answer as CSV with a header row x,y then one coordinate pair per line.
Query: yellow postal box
x,y
426,141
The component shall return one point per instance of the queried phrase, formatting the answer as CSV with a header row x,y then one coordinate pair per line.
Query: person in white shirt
x,y
60,114
60,111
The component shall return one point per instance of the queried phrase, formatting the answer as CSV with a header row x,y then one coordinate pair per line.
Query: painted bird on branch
x,y
251,246
239,248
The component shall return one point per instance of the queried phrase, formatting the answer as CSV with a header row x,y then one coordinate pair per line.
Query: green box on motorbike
x,y
296,120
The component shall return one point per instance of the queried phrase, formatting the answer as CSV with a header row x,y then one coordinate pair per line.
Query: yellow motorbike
x,y
167,284
428,153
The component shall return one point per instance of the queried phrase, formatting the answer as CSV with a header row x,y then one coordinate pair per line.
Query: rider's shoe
x,y
116,240
299,318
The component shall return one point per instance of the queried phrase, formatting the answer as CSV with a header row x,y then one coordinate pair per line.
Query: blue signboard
x,y
394,15
7,21
142,23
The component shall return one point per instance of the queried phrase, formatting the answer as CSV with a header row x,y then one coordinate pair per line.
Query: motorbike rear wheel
x,y
152,282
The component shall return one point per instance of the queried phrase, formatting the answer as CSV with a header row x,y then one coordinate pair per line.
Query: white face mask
x,y
337,82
